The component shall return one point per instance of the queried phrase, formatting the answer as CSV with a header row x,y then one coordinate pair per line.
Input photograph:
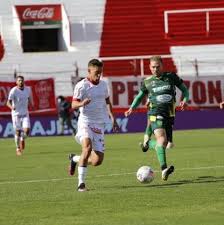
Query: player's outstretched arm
x,y
137,100
128,112
185,93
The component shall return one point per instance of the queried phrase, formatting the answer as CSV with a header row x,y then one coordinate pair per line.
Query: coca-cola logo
x,y
43,13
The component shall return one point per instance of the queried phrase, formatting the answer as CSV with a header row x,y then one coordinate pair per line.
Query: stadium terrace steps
x,y
207,63
188,38
186,29
132,29
59,65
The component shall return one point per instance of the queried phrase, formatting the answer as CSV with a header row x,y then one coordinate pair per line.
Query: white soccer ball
x,y
145,174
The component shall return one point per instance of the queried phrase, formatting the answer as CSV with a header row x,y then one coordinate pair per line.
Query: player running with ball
x,y
160,89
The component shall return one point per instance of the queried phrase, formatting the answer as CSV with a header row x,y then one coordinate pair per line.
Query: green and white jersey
x,y
161,92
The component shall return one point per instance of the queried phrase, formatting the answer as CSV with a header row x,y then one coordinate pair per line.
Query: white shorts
x,y
21,122
93,131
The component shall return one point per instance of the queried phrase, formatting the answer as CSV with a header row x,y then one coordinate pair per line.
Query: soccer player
x,y
18,101
92,98
161,90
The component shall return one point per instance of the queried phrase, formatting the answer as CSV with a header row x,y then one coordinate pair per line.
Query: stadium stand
x,y
106,28
59,65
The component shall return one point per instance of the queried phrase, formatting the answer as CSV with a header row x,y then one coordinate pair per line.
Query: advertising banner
x,y
49,125
39,14
204,91
43,95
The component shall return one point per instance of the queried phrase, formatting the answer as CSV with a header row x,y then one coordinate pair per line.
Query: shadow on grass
x,y
198,180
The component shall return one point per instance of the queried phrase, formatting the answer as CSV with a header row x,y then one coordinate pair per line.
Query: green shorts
x,y
157,122
164,123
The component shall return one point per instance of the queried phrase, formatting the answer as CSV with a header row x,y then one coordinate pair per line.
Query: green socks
x,y
152,144
161,154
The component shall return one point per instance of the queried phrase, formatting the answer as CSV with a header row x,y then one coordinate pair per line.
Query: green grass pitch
x,y
35,188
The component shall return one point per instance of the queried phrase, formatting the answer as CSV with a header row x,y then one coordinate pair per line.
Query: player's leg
x,y
98,148
26,131
169,133
148,133
92,152
96,158
74,159
85,137
69,125
17,128
161,141
17,142
61,125
158,127
83,163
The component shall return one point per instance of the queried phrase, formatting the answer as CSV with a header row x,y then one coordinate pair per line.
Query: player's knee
x,y
97,162
162,141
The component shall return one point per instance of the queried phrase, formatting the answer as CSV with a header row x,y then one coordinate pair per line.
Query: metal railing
x,y
206,11
140,58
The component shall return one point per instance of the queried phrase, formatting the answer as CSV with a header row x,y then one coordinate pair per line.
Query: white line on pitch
x,y
104,175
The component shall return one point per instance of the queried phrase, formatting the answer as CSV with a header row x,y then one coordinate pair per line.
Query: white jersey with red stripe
x,y
96,110
20,100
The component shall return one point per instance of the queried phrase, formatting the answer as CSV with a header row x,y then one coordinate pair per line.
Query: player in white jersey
x,y
92,98
18,100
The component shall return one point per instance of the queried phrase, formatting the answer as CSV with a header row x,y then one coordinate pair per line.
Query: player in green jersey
x,y
160,89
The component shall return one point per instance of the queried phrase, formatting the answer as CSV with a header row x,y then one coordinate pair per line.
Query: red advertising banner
x,y
43,95
205,92
31,13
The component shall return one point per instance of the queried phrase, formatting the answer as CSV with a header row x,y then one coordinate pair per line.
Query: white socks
x,y
17,138
82,171
76,158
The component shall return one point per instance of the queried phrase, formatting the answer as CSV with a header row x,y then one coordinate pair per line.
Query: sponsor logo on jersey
x,y
162,88
164,98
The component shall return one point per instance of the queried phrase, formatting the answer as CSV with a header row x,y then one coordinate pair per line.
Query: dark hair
x,y
95,62
19,76
61,97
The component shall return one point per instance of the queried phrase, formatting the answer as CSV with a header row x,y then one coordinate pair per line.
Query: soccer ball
x,y
145,174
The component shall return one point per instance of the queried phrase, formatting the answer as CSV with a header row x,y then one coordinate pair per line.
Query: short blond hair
x,y
156,58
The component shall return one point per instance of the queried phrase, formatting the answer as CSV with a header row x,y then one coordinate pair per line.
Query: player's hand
x,y
86,101
221,105
116,128
128,112
183,105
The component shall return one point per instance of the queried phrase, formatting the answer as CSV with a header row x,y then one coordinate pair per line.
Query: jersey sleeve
x,y
143,87
78,92
107,94
11,94
177,80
